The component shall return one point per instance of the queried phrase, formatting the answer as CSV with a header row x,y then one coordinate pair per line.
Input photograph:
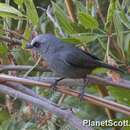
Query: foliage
x,y
95,24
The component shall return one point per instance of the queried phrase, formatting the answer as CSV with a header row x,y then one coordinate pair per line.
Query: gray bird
x,y
65,59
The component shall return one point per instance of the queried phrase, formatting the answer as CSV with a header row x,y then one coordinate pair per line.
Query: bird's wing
x,y
93,56
81,59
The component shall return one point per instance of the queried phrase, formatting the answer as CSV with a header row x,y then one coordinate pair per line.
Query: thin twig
x,y
48,12
122,83
33,67
4,68
15,34
70,9
99,12
12,41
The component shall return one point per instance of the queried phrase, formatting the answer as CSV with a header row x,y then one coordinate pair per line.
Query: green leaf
x,y
9,11
3,52
19,2
63,20
110,13
118,28
3,49
4,115
71,40
121,95
85,37
127,44
21,56
88,21
125,19
80,6
31,11
27,35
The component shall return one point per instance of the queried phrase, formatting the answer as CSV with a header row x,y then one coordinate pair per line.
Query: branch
x,y
27,91
87,97
72,82
122,83
10,40
103,81
23,89
65,114
4,68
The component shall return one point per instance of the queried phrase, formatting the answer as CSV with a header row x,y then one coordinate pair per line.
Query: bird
x,y
67,60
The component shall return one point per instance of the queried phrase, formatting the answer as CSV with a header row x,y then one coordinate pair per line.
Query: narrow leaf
x,y
31,11
85,37
88,21
63,21
110,13
9,11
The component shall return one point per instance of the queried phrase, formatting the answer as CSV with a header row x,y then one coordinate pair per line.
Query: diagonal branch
x,y
65,114
103,81
27,91
10,40
87,97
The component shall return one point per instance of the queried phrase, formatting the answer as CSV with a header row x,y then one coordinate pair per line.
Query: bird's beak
x,y
29,46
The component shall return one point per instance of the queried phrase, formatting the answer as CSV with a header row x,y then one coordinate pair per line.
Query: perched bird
x,y
65,59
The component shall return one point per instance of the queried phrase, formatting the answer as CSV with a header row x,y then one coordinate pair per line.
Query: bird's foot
x,y
81,95
53,86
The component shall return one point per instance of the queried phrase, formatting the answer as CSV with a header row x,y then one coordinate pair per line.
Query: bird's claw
x,y
81,95
53,86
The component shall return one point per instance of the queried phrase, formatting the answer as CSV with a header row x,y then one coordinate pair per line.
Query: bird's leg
x,y
53,85
85,82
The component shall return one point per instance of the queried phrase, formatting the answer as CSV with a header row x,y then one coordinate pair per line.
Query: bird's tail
x,y
112,67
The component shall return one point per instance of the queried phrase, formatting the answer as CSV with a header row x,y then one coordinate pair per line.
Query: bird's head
x,y
41,42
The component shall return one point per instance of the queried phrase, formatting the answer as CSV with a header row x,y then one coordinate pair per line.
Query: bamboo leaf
x,y
125,19
123,98
9,11
110,13
31,11
63,21
19,2
85,37
127,45
118,28
88,21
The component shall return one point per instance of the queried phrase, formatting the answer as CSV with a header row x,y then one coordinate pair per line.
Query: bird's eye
x,y
36,44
